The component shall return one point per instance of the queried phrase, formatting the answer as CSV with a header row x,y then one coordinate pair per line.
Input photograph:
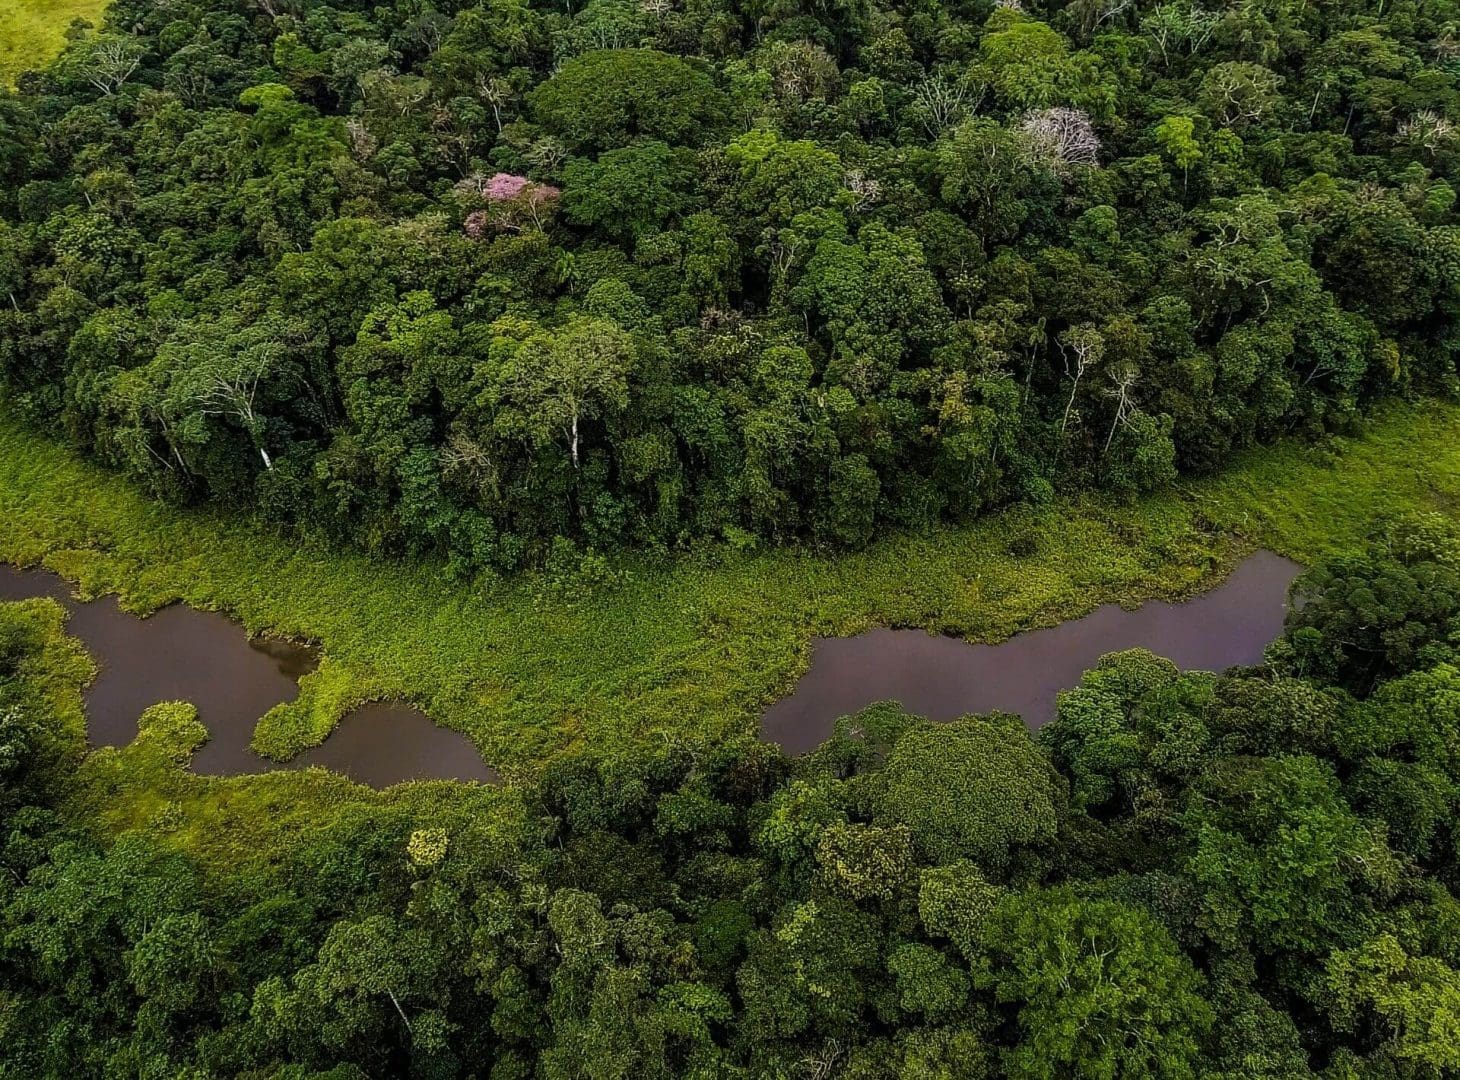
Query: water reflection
x,y
943,677
183,654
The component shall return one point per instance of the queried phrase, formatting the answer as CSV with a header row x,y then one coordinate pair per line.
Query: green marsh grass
x,y
32,32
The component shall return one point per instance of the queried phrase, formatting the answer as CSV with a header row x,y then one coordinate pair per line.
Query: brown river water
x,y
183,654
942,678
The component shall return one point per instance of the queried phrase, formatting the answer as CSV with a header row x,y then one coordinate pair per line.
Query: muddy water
x,y
385,742
943,677
182,654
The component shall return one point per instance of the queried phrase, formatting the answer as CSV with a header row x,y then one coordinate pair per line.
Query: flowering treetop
x,y
513,202
505,186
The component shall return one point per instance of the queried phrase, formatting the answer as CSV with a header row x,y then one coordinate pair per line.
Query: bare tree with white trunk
x,y
107,61
362,143
1428,130
1177,28
1063,137
1122,381
218,371
1082,347
496,92
943,104
866,190
227,386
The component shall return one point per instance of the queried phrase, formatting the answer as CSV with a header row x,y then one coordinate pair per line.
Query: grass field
x,y
33,31
693,647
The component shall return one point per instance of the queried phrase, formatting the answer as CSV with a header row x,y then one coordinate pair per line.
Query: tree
x,y
1099,989
880,303
814,967
978,788
1238,94
510,202
945,1053
1176,28
355,64
1096,736
1389,610
1029,66
1083,347
73,924
780,179
990,173
942,103
1176,137
106,61
928,984
1139,454
1284,863
628,191
483,44
956,901
548,382
372,977
214,378
866,862
1414,999
175,965
1401,745
1063,137
1376,261
603,100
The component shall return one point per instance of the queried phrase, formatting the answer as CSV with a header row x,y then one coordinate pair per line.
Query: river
x,y
942,677
183,654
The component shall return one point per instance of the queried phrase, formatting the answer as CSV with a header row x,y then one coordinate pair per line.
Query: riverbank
x,y
694,648
697,646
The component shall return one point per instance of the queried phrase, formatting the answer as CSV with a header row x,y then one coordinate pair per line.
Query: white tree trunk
x,y
1075,389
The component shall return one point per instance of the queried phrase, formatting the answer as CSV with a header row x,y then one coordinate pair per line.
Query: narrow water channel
x,y
942,678
183,654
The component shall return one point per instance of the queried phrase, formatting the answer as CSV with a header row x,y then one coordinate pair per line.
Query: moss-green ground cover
x,y
693,647
33,31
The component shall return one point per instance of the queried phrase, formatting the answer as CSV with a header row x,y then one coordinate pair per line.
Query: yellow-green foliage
x,y
172,729
325,696
696,646
978,788
246,823
32,32
53,675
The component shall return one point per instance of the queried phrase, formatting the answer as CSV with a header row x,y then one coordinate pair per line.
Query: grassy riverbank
x,y
697,646
33,31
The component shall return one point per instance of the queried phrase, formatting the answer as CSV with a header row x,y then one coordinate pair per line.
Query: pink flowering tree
x,y
506,202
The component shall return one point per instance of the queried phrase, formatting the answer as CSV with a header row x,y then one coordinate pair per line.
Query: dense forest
x,y
1230,877
508,281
